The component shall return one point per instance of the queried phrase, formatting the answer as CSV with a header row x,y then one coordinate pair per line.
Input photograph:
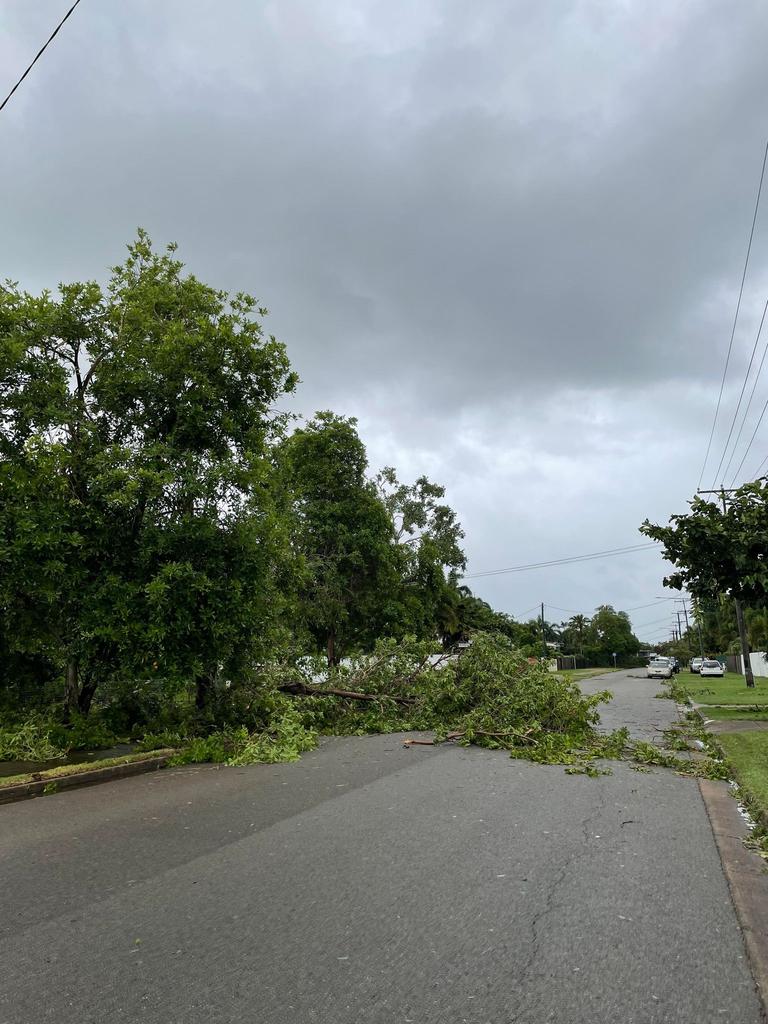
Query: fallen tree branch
x,y
302,690
434,743
463,732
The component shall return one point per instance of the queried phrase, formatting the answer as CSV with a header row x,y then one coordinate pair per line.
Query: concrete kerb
x,y
746,876
744,869
89,777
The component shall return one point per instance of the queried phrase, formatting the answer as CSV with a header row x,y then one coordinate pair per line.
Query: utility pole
x,y
543,635
698,628
745,652
679,626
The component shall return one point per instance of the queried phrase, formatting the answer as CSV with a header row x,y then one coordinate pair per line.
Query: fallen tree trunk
x,y
475,732
302,690
433,743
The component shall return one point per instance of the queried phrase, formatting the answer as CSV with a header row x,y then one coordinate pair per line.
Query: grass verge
x,y
758,713
747,754
731,689
573,675
52,774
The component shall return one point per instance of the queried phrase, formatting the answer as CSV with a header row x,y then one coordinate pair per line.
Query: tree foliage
x,y
137,526
173,555
609,632
428,538
344,534
719,552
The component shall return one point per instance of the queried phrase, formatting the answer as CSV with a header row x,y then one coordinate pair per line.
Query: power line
x,y
637,607
526,612
735,319
751,394
738,404
562,561
653,622
756,474
575,611
659,631
653,604
39,53
754,435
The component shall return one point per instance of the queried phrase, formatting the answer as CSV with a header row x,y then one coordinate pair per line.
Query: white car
x,y
710,667
660,668
696,664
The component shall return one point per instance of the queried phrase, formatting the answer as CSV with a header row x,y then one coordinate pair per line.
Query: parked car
x,y
710,667
660,668
695,665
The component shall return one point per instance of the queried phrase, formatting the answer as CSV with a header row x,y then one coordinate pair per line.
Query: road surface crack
x,y
550,903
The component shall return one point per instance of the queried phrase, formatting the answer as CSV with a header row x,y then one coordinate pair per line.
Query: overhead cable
x,y
563,561
653,604
654,622
738,404
39,53
751,440
526,612
735,319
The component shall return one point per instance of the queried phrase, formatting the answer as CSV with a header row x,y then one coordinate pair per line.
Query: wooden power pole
x,y
745,651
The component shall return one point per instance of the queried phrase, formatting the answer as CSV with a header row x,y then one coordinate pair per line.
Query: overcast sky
x,y
507,236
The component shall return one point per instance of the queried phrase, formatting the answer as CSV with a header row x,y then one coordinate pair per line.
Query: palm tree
x,y
578,623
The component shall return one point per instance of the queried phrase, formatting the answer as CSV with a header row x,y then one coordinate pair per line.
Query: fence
x,y
757,659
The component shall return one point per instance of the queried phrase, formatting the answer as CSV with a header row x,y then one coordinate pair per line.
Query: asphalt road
x,y
373,883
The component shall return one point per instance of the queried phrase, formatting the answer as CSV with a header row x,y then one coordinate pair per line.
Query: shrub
x,y
31,739
285,739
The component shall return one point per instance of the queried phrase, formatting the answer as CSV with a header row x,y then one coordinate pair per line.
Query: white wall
x,y
758,661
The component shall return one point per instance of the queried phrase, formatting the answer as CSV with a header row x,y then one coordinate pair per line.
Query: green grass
x,y
575,674
731,689
747,754
51,774
759,713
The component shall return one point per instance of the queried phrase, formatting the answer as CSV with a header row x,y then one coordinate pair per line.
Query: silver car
x,y
660,668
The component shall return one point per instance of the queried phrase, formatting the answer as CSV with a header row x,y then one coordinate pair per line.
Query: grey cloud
x,y
507,235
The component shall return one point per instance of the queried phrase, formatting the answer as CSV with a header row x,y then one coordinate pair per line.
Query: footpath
x,y
638,705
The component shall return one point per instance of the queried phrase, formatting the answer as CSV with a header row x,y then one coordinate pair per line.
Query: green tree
x,y
573,634
137,529
610,632
470,614
348,596
719,552
428,537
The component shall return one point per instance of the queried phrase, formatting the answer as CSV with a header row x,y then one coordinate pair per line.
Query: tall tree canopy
x,y
428,537
137,528
720,552
609,632
344,533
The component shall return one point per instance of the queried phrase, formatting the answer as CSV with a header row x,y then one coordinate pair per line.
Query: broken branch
x,y
301,689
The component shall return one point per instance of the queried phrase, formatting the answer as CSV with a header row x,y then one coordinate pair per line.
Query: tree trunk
x,y
203,688
331,649
301,689
749,677
86,695
72,692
